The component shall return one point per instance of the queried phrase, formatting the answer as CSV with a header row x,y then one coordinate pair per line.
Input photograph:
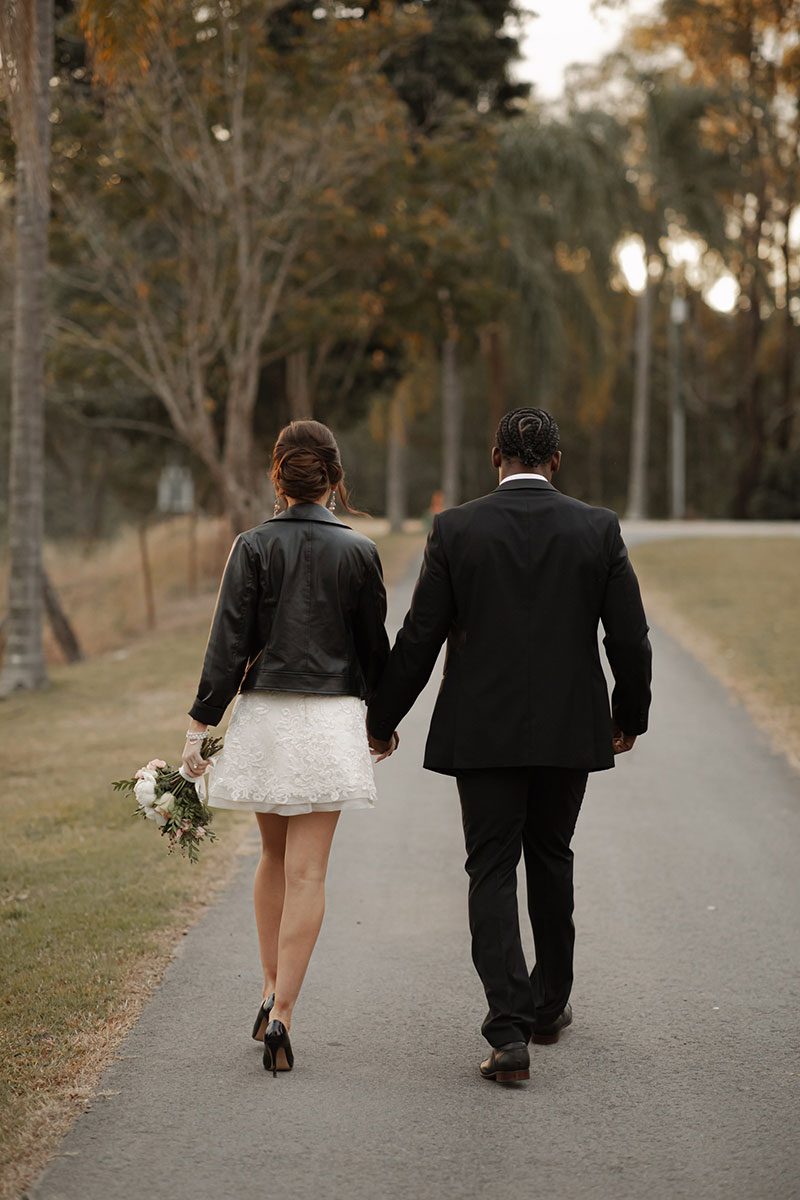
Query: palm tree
x,y
677,179
563,202
26,44
117,34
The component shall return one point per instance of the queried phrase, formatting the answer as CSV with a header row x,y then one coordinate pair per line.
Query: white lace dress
x,y
292,753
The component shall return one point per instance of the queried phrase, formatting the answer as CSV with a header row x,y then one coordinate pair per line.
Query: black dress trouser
x,y
506,813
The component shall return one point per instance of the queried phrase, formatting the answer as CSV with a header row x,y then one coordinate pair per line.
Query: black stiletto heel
x,y
278,1054
262,1020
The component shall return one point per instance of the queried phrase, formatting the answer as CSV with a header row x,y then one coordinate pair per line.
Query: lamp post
x,y
678,312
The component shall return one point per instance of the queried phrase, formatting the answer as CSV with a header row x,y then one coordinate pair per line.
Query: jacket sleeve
x,y
418,643
230,639
626,642
369,631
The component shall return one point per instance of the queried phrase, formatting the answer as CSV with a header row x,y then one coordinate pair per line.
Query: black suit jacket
x,y
517,582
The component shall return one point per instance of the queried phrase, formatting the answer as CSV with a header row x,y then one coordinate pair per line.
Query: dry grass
x,y
101,587
91,907
733,602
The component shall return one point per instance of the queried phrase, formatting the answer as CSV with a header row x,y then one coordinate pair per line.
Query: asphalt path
x,y
679,1077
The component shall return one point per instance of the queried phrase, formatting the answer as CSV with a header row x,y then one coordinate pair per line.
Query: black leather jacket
x,y
301,608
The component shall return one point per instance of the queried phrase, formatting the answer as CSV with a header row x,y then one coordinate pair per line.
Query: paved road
x,y
678,1080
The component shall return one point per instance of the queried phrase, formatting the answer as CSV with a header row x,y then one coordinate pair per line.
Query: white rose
x,y
151,814
160,819
165,803
145,791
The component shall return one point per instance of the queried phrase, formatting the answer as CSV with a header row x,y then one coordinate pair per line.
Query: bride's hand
x,y
381,750
193,762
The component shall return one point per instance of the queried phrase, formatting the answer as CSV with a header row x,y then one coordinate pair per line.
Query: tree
x,y
462,61
460,55
743,54
464,56
342,217
677,177
26,44
561,202
226,206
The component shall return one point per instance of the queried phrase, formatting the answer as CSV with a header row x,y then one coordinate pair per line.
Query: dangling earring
x,y
277,507
332,501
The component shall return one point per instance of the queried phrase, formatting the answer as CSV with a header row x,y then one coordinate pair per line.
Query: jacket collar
x,y
308,511
513,484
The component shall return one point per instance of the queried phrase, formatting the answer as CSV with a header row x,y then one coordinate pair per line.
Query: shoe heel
x,y
512,1076
277,1048
544,1039
262,1020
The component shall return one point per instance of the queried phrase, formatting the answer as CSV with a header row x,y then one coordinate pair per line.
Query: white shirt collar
x,y
528,475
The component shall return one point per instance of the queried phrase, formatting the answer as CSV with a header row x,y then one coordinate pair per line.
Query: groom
x,y
517,582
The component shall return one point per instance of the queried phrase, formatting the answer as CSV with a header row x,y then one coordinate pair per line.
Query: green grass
x,y
86,892
90,901
742,597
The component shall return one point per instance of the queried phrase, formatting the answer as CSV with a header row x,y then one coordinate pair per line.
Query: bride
x,y
298,632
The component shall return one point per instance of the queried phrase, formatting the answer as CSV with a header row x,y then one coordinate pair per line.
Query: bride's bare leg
x,y
308,844
268,893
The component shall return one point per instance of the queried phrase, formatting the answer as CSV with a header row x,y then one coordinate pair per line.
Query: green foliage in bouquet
x,y
172,802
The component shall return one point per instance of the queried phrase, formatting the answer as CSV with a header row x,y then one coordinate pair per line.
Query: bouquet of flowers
x,y
173,801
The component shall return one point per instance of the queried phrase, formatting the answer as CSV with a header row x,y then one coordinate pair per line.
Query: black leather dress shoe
x,y
545,1035
507,1063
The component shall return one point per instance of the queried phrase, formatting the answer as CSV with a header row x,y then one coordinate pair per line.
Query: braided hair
x,y
529,434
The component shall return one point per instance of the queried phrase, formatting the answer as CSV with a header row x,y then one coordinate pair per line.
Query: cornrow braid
x,y
529,434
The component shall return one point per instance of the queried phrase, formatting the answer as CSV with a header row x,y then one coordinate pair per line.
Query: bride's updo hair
x,y
306,463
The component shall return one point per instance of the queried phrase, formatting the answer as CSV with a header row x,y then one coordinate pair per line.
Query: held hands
x,y
622,742
381,750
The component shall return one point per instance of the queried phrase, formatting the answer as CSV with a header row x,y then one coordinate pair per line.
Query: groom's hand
x,y
622,742
381,750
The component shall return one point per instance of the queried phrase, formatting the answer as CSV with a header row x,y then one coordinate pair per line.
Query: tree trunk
x,y
241,489
147,577
596,464
194,555
24,665
751,419
640,423
677,410
789,402
496,360
60,624
452,419
396,462
298,392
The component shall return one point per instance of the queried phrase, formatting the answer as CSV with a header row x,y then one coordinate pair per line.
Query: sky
x,y
567,31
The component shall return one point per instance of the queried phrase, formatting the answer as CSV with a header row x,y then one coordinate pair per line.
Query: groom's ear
x,y
555,461
497,458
